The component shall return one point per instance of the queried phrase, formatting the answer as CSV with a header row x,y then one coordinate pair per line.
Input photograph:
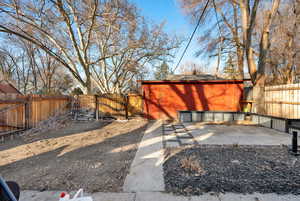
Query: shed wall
x,y
164,100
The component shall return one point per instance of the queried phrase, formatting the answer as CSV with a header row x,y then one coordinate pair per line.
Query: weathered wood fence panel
x,y
278,101
282,101
41,108
135,104
87,101
27,111
113,104
12,116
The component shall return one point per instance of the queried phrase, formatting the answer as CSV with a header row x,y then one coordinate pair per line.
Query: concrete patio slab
x,y
158,196
39,196
205,197
237,134
275,197
146,171
241,197
172,144
113,196
54,196
258,197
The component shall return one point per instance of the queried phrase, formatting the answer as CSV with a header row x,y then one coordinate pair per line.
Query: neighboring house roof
x,y
7,88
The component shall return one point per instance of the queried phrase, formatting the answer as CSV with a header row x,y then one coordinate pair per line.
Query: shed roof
x,y
7,88
203,78
193,77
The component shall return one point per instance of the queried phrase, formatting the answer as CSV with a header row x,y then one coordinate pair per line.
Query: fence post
x,y
126,105
97,107
295,142
27,113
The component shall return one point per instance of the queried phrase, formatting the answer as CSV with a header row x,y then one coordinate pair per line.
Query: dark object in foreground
x,y
9,191
228,168
295,143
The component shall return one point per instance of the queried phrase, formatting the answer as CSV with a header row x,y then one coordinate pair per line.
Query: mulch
x,y
232,168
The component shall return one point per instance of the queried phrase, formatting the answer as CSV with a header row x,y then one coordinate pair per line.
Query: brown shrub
x,y
190,164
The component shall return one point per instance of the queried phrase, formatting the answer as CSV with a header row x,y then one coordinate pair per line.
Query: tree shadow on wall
x,y
192,97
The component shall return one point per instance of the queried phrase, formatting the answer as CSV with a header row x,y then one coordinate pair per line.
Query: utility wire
x,y
216,15
221,38
190,40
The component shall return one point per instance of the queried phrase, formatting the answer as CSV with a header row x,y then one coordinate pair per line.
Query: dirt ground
x,y
94,155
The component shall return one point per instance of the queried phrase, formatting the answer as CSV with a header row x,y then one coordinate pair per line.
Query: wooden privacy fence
x,y
113,104
282,101
278,101
12,116
27,111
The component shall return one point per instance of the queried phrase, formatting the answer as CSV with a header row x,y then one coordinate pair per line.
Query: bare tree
x,y
238,25
283,59
7,67
223,37
31,69
137,44
191,68
66,25
17,67
249,18
82,35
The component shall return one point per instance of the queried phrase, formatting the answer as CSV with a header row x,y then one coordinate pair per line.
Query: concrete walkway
x,y
146,172
158,196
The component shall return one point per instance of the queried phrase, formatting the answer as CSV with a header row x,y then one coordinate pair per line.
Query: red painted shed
x,y
163,99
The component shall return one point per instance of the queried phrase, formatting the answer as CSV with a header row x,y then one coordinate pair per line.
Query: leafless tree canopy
x,y
192,68
261,34
103,44
31,69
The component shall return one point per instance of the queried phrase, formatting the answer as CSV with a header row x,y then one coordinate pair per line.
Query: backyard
x,y
132,157
131,100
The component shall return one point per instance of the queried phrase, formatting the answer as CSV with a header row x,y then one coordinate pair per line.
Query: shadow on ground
x,y
69,160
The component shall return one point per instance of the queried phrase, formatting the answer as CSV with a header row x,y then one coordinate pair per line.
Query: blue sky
x,y
176,23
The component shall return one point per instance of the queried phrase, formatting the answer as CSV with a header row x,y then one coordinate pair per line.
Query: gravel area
x,y
95,156
231,168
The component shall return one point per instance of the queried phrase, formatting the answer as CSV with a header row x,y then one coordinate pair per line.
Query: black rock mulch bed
x,y
231,168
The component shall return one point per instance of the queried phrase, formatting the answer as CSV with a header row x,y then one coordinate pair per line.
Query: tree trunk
x,y
257,73
248,19
240,62
263,51
88,85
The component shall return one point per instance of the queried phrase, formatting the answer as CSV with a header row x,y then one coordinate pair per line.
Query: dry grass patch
x,y
191,164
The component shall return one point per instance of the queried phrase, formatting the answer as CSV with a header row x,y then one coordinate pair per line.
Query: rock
x,y
235,162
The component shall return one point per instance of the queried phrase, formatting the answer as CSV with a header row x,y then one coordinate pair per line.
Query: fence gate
x,y
112,105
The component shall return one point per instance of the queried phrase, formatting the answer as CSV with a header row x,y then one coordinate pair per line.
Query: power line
x,y
220,37
190,40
